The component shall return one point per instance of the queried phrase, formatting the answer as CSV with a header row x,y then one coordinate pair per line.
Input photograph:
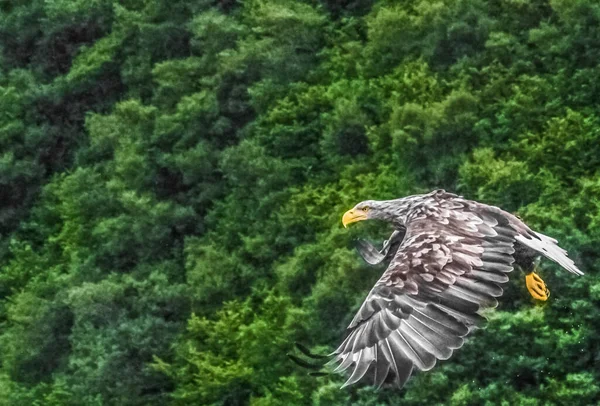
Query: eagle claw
x,y
536,286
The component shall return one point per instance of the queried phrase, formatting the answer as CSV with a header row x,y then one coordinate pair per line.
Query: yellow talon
x,y
536,286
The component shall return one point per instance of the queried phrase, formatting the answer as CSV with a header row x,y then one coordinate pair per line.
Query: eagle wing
x,y
373,256
452,263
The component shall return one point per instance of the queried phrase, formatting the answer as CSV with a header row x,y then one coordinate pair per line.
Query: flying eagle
x,y
449,259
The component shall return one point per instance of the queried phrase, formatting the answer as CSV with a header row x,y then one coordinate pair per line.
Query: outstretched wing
x,y
451,264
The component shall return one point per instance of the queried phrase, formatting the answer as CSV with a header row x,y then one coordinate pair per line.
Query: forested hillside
x,y
173,174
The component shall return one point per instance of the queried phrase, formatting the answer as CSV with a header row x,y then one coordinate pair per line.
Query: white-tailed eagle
x,y
449,259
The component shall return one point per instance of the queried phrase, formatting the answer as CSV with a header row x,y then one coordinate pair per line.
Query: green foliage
x,y
172,176
221,360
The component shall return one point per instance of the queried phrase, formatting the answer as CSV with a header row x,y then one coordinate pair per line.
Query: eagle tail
x,y
548,247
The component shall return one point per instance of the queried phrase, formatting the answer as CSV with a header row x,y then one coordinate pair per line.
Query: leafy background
x,y
173,172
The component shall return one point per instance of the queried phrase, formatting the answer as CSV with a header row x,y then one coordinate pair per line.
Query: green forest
x,y
173,175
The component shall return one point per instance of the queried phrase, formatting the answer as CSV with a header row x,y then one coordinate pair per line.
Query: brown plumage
x,y
449,258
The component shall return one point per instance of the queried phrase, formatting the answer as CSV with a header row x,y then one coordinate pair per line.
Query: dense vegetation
x,y
173,172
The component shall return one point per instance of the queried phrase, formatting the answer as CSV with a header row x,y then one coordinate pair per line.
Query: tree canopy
x,y
173,173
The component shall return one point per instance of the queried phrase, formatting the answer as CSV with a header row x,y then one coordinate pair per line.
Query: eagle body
x,y
449,258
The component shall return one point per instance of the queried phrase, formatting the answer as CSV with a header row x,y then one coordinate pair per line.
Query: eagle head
x,y
388,210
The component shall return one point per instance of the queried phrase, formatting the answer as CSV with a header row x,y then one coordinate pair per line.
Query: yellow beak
x,y
352,216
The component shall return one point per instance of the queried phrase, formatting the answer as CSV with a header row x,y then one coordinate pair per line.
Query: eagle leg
x,y
528,260
536,286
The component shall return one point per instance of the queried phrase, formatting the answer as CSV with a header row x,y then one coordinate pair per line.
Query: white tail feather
x,y
549,248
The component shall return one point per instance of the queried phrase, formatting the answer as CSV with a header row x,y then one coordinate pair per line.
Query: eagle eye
x,y
365,209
